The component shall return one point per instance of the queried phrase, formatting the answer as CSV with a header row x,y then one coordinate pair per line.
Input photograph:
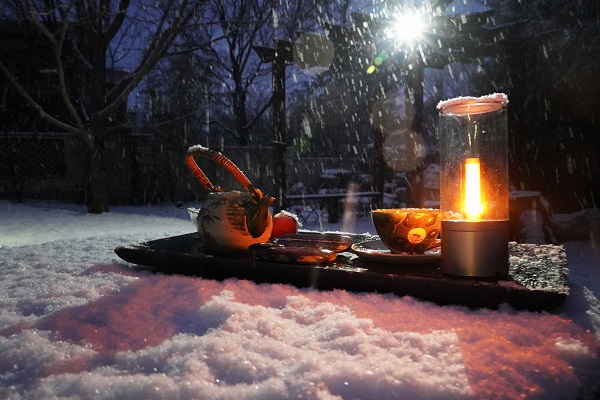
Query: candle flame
x,y
473,206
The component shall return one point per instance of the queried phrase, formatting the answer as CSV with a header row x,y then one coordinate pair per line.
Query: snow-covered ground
x,y
78,322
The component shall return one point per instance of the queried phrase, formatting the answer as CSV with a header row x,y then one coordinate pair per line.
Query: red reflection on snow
x,y
502,349
145,313
506,353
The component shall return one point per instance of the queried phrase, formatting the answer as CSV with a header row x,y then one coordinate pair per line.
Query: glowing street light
x,y
407,27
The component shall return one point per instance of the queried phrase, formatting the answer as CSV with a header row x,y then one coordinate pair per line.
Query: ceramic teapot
x,y
230,221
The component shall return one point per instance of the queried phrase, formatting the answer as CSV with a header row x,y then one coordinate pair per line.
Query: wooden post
x,y
280,57
280,127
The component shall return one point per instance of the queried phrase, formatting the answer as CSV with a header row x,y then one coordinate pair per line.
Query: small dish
x,y
329,241
375,250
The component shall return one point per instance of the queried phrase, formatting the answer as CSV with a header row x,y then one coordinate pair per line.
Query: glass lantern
x,y
474,185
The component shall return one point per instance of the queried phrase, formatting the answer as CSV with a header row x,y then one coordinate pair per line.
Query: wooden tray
x,y
537,275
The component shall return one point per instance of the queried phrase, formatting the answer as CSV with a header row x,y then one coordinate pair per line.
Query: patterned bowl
x,y
408,230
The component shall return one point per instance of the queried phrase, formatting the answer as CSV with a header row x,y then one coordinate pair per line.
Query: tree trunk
x,y
97,198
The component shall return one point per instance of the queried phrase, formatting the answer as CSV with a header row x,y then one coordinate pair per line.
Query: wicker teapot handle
x,y
224,162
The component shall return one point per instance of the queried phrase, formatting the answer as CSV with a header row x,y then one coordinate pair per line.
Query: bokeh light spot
x,y
404,150
313,51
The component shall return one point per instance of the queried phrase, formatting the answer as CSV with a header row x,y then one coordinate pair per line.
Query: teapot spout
x,y
257,217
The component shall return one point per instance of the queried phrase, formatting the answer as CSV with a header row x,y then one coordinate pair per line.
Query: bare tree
x,y
237,78
87,38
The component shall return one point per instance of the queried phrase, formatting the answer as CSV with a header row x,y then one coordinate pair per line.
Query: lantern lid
x,y
473,105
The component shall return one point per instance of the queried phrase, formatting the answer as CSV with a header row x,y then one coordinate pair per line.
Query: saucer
x,y
375,250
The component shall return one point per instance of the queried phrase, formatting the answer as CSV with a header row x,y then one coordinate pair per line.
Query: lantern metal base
x,y
476,249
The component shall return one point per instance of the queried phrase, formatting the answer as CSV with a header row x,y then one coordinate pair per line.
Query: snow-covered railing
x,y
313,203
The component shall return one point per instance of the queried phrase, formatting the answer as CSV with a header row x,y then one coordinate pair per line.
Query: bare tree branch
x,y
34,104
158,49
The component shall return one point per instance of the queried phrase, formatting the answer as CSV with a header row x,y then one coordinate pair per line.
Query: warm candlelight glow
x,y
473,206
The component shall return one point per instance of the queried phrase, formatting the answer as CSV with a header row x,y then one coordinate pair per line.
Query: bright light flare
x,y
473,206
407,27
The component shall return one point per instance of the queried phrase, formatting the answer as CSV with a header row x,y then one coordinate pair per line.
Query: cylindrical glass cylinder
x,y
474,158
474,186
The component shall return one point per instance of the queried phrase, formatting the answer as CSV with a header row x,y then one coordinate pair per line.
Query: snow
x,y
490,98
77,322
458,8
196,147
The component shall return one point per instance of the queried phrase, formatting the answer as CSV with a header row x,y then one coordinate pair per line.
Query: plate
x,y
375,250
